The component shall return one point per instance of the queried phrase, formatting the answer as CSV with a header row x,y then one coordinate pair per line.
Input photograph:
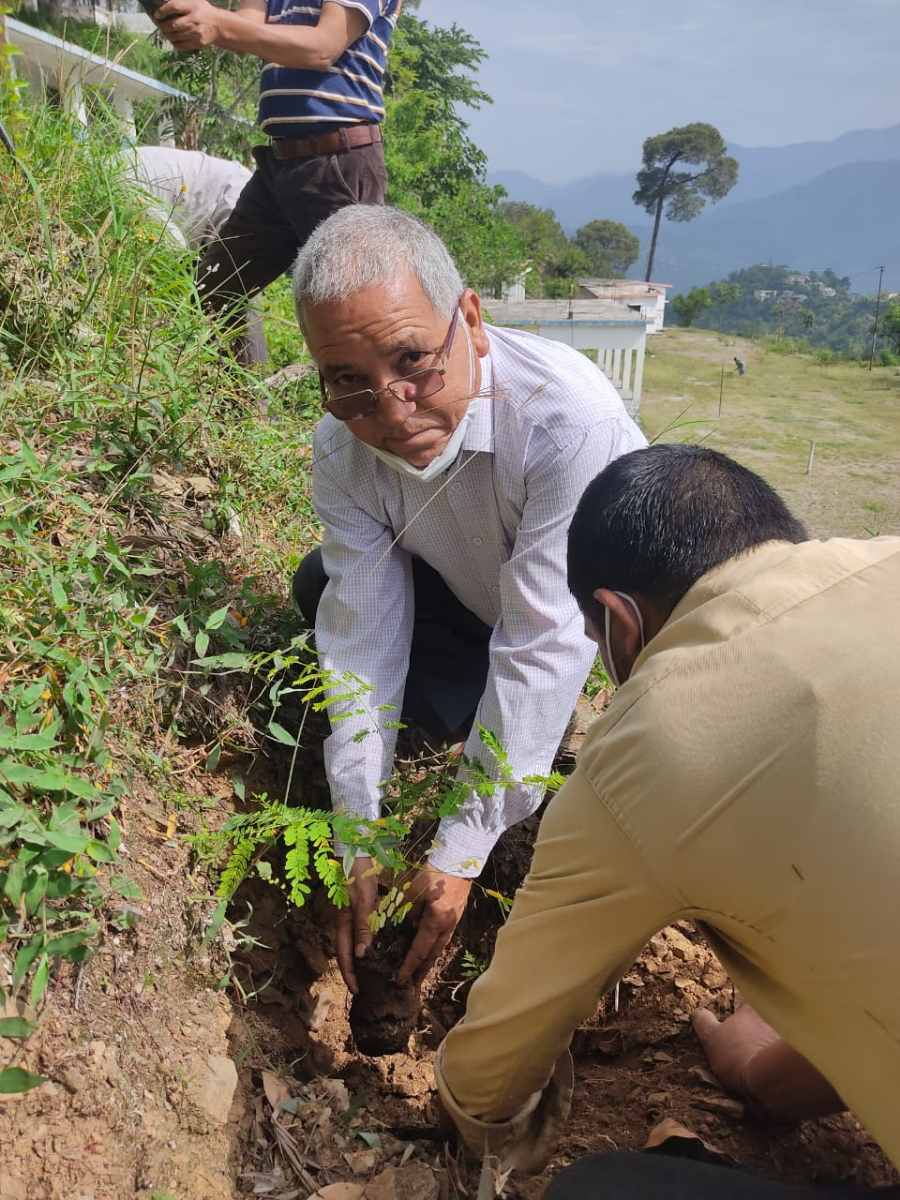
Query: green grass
x,y
771,415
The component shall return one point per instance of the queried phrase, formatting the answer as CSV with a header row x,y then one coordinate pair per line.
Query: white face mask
x,y
450,452
610,661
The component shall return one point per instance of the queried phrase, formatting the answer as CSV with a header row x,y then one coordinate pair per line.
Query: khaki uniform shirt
x,y
746,776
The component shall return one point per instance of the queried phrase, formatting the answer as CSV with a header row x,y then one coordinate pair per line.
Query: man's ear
x,y
629,637
470,305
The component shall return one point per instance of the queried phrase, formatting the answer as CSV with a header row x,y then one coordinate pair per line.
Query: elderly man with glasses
x,y
445,473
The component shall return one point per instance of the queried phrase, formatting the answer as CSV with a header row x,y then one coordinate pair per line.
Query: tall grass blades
x,y
106,367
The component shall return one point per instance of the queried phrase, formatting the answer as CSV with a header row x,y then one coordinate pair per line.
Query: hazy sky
x,y
579,84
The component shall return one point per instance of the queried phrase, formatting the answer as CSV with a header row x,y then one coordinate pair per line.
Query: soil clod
x,y
385,1013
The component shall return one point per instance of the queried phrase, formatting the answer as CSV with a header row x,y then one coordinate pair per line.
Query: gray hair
x,y
364,245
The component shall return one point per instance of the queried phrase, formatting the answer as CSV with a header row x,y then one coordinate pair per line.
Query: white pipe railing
x,y
49,61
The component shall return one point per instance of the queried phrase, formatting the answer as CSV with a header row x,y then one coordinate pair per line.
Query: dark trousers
x,y
275,214
629,1176
448,662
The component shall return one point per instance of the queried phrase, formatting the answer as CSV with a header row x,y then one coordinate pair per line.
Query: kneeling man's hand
x,y
439,900
751,1059
354,934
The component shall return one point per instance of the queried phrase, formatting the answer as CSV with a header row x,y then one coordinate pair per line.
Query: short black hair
x,y
655,520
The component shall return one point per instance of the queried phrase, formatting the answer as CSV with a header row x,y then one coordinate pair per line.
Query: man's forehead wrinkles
x,y
386,341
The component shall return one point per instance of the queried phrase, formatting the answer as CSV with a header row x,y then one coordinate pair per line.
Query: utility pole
x,y
877,310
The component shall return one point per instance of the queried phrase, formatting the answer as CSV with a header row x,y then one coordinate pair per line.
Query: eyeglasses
x,y
418,385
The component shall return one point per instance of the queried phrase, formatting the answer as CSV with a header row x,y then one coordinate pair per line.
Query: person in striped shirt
x,y
321,103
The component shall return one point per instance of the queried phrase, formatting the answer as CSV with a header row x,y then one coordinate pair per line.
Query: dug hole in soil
x,y
385,1012
164,1085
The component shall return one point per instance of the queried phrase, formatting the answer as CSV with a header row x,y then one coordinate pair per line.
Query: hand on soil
x,y
354,935
732,1044
751,1059
439,900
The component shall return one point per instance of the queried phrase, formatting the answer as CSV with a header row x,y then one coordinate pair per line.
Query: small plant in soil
x,y
245,843
292,849
471,966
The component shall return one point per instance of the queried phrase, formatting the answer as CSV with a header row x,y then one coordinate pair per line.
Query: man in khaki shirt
x,y
746,776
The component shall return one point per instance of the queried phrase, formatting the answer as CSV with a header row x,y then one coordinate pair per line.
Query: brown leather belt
x,y
327,143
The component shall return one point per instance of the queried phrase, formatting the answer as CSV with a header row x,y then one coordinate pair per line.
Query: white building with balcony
x,y
648,300
613,332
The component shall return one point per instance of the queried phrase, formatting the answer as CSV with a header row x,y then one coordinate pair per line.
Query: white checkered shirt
x,y
494,526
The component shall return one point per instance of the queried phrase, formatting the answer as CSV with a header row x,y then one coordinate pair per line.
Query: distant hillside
x,y
813,307
769,169
846,219
764,171
825,204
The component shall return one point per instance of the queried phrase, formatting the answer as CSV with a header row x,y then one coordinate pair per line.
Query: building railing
x,y
50,63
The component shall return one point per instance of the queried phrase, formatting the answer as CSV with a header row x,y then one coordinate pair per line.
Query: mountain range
x,y
810,205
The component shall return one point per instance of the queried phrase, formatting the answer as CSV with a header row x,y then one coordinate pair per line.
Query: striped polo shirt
x,y
296,103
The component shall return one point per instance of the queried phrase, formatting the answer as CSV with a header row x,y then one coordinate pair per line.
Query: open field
x,y
772,414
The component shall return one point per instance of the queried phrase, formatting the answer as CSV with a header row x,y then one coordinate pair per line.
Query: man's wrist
x,y
220,39
230,30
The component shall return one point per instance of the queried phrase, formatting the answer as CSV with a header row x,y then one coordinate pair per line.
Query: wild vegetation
x,y
92,324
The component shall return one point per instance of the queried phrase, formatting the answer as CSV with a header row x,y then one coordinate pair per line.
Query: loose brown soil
x,y
164,1086
384,1013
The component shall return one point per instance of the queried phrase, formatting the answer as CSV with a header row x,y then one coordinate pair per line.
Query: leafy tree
x,y
487,249
725,293
557,261
683,193
435,170
544,238
432,73
221,117
841,283
688,306
609,247
560,276
446,62
890,324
